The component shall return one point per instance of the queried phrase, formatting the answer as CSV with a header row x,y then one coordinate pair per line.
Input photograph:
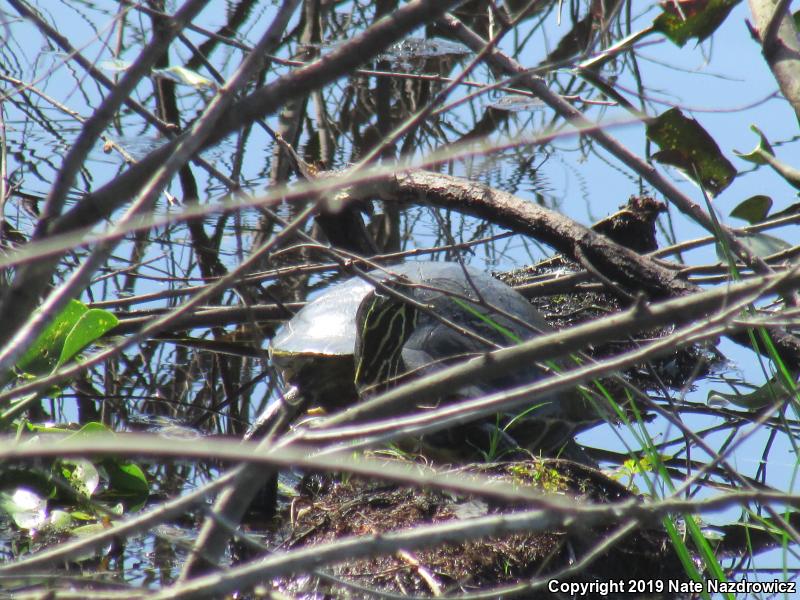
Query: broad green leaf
x,y
126,478
686,19
70,332
91,326
753,210
756,155
686,145
42,357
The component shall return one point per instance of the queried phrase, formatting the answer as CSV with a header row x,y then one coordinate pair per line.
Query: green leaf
x,y
126,478
635,467
43,355
753,210
91,326
692,19
71,331
757,154
686,145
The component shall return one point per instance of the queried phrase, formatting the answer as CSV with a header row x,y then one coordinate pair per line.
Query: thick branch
x,y
625,267
631,271
781,47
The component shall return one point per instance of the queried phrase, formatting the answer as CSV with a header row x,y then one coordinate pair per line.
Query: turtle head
x,y
383,323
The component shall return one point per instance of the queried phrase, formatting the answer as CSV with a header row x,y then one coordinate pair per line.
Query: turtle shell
x,y
315,349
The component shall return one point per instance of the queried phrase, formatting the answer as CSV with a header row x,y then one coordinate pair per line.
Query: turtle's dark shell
x,y
315,348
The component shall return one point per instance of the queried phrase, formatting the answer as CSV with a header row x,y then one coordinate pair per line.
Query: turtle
x,y
356,339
